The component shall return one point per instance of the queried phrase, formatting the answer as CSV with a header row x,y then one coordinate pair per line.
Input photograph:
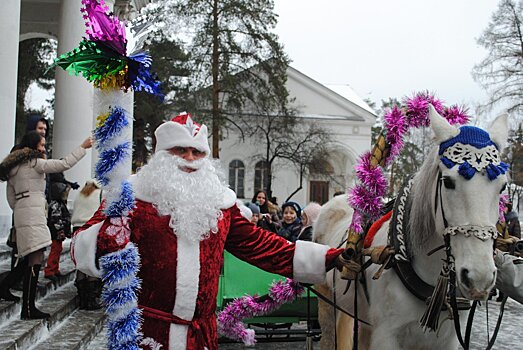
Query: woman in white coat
x,y
24,170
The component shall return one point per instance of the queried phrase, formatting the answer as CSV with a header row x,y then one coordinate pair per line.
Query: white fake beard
x,y
193,200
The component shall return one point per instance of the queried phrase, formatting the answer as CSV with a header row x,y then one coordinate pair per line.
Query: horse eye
x,y
503,188
449,183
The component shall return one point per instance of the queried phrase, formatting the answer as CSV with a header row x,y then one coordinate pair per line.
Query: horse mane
x,y
421,221
333,215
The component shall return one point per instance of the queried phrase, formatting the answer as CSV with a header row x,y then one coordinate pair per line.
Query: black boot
x,y
88,293
93,295
29,310
81,287
6,284
15,275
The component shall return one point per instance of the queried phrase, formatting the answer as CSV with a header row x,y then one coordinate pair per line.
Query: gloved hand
x,y
343,260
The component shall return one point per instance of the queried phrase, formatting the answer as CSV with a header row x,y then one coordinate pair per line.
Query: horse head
x,y
471,177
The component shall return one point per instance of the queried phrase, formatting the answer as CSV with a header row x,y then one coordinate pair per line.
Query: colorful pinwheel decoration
x,y
102,57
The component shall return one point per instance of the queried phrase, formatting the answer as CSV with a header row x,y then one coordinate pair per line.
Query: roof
x,y
345,91
339,95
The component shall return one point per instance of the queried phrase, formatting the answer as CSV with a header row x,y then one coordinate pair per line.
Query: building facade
x,y
346,117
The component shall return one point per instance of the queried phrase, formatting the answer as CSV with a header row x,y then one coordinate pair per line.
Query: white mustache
x,y
195,164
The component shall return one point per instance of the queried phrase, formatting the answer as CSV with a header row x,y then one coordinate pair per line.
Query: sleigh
x,y
287,323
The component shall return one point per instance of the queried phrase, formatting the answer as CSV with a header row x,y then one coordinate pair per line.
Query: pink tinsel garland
x,y
366,196
230,318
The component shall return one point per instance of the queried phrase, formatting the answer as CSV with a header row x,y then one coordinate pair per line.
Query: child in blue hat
x,y
291,224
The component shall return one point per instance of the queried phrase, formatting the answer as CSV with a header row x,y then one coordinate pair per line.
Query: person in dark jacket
x,y
512,220
38,123
291,225
58,221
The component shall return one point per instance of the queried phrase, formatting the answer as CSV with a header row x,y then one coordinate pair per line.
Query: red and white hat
x,y
182,131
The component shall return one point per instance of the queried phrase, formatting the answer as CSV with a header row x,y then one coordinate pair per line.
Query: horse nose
x,y
464,274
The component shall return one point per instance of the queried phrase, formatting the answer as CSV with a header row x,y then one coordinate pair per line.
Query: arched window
x,y
261,176
236,176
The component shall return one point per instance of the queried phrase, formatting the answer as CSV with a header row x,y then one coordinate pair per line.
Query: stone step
x,y
16,334
68,327
75,332
99,341
5,256
9,310
5,252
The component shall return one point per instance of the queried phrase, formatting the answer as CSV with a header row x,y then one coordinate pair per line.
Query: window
x,y
319,191
236,175
261,176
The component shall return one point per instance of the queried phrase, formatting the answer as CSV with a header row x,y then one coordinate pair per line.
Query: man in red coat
x,y
185,217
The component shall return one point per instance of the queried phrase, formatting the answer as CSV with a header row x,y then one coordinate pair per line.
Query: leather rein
x,y
449,261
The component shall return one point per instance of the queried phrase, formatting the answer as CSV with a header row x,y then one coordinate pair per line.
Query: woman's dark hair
x,y
31,140
264,209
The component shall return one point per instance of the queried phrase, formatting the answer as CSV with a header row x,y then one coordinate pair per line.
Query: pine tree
x,y
224,40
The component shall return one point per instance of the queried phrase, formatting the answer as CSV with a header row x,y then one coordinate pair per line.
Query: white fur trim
x,y
85,250
172,134
229,199
187,280
187,277
151,343
178,337
309,262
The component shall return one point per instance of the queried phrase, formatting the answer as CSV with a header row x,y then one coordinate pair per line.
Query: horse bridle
x,y
480,232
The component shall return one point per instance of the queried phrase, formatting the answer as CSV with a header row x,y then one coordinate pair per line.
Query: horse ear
x,y
440,126
498,130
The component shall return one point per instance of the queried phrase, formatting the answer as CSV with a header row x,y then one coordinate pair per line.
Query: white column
x,y
9,39
73,119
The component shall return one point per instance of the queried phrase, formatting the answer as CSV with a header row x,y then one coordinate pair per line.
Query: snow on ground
x,y
510,336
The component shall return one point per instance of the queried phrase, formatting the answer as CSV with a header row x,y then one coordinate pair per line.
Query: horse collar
x,y
398,230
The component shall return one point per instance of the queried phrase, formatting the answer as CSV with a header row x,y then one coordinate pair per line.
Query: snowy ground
x,y
510,335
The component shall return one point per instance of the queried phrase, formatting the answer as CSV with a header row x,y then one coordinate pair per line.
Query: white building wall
x,y
346,148
348,123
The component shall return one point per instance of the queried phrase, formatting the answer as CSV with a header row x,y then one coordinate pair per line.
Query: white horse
x,y
393,311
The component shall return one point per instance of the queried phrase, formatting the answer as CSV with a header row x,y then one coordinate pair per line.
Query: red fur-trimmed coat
x,y
180,277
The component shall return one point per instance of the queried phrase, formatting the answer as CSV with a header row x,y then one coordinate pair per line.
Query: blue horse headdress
x,y
474,151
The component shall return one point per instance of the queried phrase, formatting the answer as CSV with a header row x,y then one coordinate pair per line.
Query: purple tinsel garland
x,y
366,196
230,318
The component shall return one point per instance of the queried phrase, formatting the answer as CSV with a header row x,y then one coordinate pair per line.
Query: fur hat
x,y
294,206
312,210
181,131
244,210
255,209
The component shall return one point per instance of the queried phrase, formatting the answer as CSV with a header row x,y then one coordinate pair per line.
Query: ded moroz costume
x,y
182,222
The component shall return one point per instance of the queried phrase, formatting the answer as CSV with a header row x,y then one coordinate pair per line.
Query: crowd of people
x,y
290,221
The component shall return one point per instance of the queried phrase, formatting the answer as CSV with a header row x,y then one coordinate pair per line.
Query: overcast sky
x,y
388,48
